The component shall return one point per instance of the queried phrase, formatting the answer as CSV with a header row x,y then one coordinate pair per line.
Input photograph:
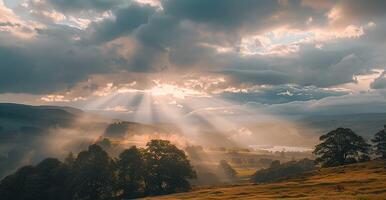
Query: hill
x,y
356,181
30,133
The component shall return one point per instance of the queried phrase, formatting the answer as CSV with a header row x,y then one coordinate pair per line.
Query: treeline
x,y
343,146
160,168
278,171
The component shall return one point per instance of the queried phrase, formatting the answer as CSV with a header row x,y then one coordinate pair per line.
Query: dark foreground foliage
x,y
279,171
160,168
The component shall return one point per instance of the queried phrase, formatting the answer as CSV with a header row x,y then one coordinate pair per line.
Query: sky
x,y
144,60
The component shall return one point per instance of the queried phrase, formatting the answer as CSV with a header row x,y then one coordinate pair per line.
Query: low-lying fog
x,y
244,137
206,137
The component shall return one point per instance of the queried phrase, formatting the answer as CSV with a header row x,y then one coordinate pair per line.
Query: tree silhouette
x,y
379,141
93,175
131,172
339,147
167,168
46,181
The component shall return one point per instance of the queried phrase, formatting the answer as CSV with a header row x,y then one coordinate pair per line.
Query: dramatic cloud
x,y
46,66
125,21
83,5
292,51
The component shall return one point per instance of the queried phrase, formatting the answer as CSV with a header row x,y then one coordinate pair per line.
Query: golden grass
x,y
358,181
245,172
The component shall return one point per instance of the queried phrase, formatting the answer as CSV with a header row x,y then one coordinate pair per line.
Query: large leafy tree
x,y
379,141
341,146
93,175
131,172
167,168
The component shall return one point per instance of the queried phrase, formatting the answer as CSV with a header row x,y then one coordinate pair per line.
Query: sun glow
x,y
164,89
199,113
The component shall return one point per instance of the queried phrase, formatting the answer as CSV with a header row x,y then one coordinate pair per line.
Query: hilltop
x,y
355,181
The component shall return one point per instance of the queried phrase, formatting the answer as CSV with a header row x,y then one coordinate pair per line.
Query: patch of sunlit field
x,y
245,173
357,181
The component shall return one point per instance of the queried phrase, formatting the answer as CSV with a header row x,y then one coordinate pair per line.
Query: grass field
x,y
357,181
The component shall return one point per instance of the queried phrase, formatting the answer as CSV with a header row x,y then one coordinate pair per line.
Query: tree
x,y
46,181
379,141
131,172
93,175
341,146
227,169
167,168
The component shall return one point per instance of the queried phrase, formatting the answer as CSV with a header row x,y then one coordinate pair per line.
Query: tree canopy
x,y
131,173
341,146
379,141
168,168
93,174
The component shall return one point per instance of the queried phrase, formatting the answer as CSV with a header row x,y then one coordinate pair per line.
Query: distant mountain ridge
x,y
22,115
365,124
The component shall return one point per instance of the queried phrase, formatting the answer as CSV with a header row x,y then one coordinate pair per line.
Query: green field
x,y
357,181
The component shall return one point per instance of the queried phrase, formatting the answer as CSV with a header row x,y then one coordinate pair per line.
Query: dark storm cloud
x,y
221,13
125,21
166,43
242,16
325,68
312,66
46,66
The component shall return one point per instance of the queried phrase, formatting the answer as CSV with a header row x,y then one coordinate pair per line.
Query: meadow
x,y
360,181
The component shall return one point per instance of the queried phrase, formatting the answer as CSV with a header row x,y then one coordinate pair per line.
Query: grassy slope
x,y
357,181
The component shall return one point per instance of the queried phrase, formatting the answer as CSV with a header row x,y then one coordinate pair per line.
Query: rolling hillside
x,y
30,133
357,181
